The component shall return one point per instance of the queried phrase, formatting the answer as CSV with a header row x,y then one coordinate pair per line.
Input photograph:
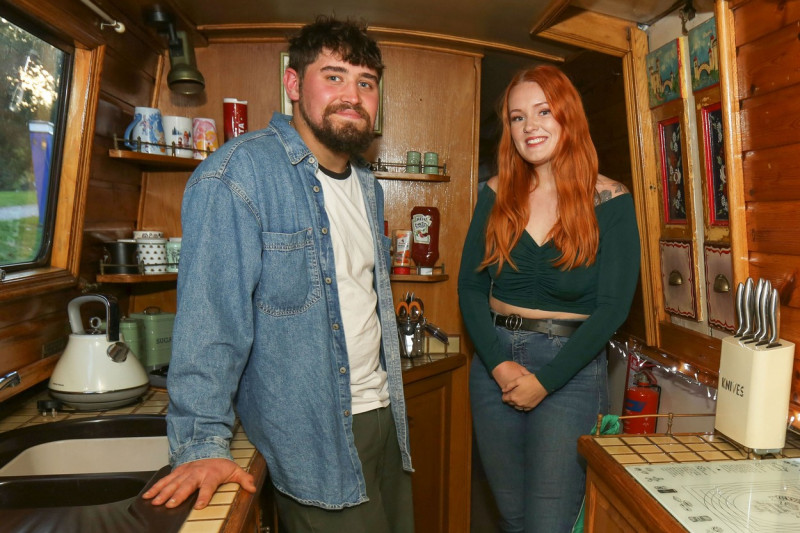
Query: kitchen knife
x,y
756,304
748,310
775,319
739,309
762,335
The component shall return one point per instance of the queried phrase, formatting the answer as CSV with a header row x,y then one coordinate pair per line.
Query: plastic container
x,y
401,261
425,245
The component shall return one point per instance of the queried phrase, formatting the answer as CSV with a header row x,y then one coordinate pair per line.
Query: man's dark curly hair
x,y
347,39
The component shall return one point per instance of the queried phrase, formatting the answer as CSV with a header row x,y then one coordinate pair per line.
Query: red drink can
x,y
235,117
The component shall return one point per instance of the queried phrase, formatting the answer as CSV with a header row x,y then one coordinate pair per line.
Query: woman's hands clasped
x,y
521,389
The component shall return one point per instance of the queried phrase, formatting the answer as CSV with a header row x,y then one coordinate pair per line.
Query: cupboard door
x,y
427,403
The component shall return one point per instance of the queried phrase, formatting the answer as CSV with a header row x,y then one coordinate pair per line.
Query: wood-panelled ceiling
x,y
507,23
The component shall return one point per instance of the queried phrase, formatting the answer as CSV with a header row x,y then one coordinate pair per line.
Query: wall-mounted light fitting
x,y
183,77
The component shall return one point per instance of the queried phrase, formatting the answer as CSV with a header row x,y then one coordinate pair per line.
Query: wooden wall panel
x,y
771,119
773,227
772,174
769,84
783,271
758,18
770,63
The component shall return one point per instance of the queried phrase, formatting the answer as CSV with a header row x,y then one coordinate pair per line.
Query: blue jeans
x,y
531,458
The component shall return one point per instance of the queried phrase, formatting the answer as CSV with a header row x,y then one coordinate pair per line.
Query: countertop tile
x,y
629,459
646,448
210,512
222,498
202,526
657,458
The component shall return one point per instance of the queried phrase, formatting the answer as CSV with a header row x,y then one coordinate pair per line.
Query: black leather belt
x,y
550,326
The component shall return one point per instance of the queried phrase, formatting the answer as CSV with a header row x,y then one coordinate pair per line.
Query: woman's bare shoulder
x,y
492,183
605,189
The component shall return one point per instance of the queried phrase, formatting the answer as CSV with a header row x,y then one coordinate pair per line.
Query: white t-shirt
x,y
353,253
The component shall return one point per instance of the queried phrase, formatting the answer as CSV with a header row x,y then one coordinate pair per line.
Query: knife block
x,y
753,393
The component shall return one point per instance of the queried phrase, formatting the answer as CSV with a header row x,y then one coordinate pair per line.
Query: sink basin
x,y
90,456
38,492
86,476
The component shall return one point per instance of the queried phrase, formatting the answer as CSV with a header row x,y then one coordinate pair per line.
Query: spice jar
x,y
425,245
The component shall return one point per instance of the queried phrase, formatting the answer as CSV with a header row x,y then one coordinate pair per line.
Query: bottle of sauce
x,y
401,259
425,245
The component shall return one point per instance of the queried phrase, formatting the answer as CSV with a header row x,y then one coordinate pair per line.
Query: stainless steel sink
x,y
86,476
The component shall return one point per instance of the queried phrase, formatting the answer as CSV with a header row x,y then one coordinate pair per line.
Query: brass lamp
x,y
183,77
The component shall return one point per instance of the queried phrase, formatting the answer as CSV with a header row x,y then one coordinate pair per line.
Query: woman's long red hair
x,y
574,166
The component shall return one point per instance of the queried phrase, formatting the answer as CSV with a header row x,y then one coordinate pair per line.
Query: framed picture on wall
x,y
674,199
716,183
286,102
704,55
664,73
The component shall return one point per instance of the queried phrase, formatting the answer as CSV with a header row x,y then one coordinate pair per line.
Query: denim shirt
x,y
259,325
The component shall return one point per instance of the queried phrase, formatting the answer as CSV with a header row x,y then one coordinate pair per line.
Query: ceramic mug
x,y
178,133
153,253
146,133
204,133
148,234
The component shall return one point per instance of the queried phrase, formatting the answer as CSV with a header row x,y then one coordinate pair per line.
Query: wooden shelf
x,y
136,278
419,278
406,176
155,161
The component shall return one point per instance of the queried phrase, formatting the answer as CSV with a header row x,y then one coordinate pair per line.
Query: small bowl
x,y
148,234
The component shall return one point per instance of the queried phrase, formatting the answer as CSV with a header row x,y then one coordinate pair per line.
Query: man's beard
x,y
348,138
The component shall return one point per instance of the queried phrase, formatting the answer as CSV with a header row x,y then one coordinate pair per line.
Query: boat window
x,y
34,80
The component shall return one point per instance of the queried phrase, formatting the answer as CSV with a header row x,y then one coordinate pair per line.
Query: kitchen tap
x,y
11,379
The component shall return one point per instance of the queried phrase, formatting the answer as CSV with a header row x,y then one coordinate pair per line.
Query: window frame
x,y
73,178
42,258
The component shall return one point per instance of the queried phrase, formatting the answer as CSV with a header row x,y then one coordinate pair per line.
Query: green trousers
x,y
389,509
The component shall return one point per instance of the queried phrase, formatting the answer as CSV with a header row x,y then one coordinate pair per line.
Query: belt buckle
x,y
513,322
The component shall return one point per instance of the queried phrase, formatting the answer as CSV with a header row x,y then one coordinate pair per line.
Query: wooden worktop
x,y
615,501
230,509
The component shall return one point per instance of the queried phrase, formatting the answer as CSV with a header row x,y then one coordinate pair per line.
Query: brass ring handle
x,y
721,284
675,278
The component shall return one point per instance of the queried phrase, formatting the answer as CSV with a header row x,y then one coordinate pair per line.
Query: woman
x,y
548,271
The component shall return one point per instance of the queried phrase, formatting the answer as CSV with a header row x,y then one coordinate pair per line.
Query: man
x,y
285,308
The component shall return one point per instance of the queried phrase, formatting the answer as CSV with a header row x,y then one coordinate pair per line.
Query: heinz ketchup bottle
x,y
425,245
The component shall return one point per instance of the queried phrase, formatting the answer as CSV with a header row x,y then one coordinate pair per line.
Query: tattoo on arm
x,y
606,195
601,196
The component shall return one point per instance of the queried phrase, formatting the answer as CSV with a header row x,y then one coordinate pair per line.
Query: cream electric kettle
x,y
97,370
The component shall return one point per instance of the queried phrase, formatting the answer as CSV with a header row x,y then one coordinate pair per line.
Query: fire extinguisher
x,y
641,399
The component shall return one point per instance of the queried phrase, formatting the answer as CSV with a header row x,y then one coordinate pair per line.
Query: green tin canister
x,y
157,337
132,330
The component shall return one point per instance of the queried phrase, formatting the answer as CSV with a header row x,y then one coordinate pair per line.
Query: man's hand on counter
x,y
203,474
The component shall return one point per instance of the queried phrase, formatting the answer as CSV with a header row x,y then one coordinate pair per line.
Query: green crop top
x,y
603,290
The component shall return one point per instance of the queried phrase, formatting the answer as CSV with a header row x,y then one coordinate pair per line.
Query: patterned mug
x,y
146,133
178,131
204,134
